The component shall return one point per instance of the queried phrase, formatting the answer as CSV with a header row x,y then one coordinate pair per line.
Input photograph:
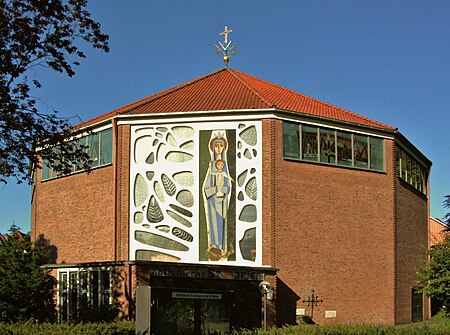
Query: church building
x,y
233,202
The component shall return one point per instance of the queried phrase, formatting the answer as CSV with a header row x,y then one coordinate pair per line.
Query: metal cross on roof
x,y
226,32
227,49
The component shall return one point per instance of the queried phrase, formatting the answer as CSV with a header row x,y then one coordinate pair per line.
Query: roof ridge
x,y
161,94
250,87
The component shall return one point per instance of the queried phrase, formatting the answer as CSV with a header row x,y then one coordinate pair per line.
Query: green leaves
x,y
26,289
37,33
434,275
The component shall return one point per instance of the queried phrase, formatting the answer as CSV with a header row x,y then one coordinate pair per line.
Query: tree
x,y
447,206
434,275
43,33
26,289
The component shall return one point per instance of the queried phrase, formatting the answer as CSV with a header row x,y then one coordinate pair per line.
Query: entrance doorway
x,y
190,313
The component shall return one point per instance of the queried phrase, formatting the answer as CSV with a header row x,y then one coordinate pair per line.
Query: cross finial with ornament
x,y
227,49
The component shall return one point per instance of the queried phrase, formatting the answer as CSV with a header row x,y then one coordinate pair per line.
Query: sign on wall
x,y
195,193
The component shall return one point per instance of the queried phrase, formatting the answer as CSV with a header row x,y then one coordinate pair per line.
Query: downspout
x,y
115,164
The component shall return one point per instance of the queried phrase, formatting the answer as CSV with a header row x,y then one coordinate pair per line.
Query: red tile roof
x,y
228,89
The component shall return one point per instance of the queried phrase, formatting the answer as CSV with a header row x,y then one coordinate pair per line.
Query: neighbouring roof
x,y
229,89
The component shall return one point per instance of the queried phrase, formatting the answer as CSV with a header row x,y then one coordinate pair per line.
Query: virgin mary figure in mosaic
x,y
216,196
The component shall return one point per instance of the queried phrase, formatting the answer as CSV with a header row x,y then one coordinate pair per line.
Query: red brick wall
x,y
334,234
412,238
75,214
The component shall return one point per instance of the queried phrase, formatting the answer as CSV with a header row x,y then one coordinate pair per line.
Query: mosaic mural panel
x,y
196,193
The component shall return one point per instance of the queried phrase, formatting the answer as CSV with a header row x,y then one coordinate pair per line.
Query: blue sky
x,y
386,60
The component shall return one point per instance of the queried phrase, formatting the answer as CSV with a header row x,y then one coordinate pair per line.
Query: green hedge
x,y
433,327
115,328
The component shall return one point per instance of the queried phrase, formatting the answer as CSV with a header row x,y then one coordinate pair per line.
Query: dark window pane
x,y
361,154
398,157
327,146
106,147
93,148
45,170
377,154
291,142
83,287
73,294
63,296
403,163
344,148
310,145
94,287
105,286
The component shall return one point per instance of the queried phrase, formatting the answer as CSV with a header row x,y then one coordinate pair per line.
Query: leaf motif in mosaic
x,y
171,140
154,213
168,184
161,129
140,190
163,228
184,235
184,178
150,255
178,157
248,213
247,245
159,135
138,217
181,210
143,129
158,191
183,132
185,198
179,218
249,136
159,241
151,158
251,189
240,196
141,150
150,175
160,152
247,154
242,177
189,145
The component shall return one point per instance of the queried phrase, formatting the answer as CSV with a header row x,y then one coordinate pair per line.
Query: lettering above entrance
x,y
195,193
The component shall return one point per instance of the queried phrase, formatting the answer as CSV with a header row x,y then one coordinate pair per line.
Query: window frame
x,y
49,173
66,307
338,139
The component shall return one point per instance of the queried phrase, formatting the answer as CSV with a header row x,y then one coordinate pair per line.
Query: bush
x,y
102,328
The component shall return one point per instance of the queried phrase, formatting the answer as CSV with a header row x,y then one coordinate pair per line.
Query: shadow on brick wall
x,y
51,249
286,304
